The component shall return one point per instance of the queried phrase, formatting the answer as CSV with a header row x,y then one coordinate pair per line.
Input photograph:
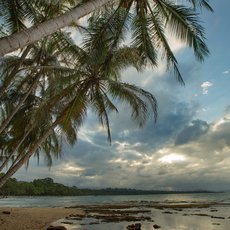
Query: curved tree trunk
x,y
37,32
15,150
27,156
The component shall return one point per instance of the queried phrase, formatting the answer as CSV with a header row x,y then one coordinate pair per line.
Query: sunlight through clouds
x,y
172,158
68,168
187,148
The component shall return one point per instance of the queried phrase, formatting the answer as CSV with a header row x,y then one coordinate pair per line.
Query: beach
x,y
118,217
32,218
164,212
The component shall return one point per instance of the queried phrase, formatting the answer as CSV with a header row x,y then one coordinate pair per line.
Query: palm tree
x,y
93,74
148,21
165,8
19,130
16,68
94,84
24,37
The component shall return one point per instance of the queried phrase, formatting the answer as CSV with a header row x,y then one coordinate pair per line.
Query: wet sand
x,y
151,215
32,218
187,216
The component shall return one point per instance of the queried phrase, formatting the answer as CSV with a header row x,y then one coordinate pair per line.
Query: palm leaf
x,y
183,23
160,41
142,38
201,4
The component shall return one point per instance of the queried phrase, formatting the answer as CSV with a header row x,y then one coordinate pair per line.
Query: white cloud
x,y
172,158
205,86
176,45
189,165
226,72
67,168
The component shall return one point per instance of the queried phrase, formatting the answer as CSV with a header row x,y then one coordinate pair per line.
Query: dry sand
x,y
32,218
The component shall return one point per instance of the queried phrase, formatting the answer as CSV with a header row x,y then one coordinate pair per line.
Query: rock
x,y
56,228
218,217
167,212
6,212
134,226
213,210
156,226
138,226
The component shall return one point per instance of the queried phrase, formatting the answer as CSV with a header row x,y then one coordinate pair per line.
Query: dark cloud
x,y
227,110
195,152
192,132
202,164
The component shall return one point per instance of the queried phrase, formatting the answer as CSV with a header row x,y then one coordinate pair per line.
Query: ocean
x,y
200,211
65,201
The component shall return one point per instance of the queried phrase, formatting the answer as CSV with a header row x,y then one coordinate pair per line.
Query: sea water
x,y
66,201
184,219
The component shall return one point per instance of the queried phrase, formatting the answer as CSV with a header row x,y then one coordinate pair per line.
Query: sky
x,y
189,146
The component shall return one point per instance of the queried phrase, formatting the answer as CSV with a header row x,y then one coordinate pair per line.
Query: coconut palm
x,y
15,68
93,84
93,73
46,64
17,15
35,33
148,20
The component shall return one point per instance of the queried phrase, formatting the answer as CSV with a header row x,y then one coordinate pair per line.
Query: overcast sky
x,y
189,146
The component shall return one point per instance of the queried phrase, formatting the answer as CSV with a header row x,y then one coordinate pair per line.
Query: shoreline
x,y
33,218
119,216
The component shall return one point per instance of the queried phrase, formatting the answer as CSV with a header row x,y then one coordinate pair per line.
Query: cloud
x,y
226,72
205,86
149,158
192,132
180,151
175,44
172,158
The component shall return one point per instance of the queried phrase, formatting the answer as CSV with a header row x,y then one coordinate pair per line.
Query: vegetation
x,y
39,187
47,187
47,88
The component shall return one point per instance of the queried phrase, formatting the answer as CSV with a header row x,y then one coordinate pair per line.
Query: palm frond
x,y
160,41
183,23
142,38
138,99
102,105
201,4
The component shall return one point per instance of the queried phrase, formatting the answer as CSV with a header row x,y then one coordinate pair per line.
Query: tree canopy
x,y
48,86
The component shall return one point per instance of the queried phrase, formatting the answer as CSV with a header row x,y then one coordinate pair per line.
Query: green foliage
x,y
46,92
39,187
47,187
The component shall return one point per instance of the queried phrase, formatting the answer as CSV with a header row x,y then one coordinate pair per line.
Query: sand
x,y
119,216
32,218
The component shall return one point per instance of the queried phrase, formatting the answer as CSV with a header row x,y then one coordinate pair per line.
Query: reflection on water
x,y
216,217
55,201
167,219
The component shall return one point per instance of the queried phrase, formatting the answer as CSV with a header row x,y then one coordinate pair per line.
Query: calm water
x,y
184,219
56,201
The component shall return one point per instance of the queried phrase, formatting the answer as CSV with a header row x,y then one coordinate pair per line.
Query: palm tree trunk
x,y
27,156
7,121
15,150
37,32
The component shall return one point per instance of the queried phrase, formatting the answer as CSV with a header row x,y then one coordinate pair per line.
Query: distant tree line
x,y
47,187
38,187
